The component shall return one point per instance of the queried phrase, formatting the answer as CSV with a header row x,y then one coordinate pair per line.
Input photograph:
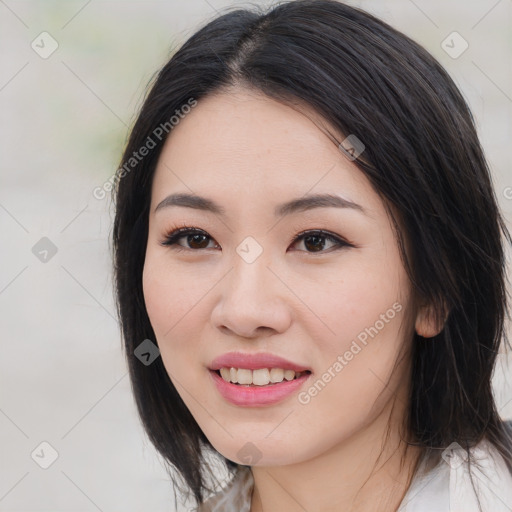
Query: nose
x,y
252,302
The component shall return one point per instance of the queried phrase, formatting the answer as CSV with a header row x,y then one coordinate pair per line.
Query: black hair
x,y
422,155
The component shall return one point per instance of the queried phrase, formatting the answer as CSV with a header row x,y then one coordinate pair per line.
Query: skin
x,y
249,153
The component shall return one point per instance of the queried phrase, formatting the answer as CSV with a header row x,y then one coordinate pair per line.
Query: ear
x,y
426,324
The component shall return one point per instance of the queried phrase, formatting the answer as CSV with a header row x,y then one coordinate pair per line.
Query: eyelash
x,y
173,236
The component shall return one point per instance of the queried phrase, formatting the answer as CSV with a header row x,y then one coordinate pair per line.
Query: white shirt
x,y
446,488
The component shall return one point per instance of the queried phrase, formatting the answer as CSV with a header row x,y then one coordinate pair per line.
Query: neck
x,y
368,472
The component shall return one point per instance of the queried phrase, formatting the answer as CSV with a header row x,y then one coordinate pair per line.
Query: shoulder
x,y
459,483
485,477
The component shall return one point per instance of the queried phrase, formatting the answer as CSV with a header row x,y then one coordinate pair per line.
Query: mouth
x,y
261,393
257,379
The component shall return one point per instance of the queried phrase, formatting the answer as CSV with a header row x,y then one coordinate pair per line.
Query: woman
x,y
306,228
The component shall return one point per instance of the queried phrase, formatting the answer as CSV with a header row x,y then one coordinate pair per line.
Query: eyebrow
x,y
300,204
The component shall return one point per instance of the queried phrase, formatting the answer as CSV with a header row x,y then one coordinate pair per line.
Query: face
x,y
256,279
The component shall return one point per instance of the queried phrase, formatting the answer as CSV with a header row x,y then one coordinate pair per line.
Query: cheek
x,y
356,376
364,311
169,293
173,298
159,303
356,299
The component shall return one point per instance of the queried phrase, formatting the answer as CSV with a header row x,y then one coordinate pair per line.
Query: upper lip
x,y
254,362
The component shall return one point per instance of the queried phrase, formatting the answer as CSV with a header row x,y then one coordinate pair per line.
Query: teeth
x,y
244,376
260,377
289,374
276,375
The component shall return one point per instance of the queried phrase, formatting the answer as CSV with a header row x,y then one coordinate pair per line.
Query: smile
x,y
257,395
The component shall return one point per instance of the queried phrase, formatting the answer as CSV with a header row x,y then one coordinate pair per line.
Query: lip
x,y
256,396
254,362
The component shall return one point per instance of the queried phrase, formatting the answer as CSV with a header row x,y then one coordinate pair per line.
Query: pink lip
x,y
254,362
254,396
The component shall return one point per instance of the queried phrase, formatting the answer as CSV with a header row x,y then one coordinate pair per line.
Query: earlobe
x,y
427,325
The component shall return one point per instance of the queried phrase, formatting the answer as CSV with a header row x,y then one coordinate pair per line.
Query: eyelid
x,y
299,231
179,232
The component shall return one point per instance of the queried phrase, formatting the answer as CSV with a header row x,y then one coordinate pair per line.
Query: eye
x,y
196,239
315,240
194,236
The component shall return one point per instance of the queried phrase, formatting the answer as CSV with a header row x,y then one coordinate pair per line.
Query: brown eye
x,y
315,241
195,239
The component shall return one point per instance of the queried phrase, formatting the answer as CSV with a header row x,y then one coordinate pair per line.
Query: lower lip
x,y
256,396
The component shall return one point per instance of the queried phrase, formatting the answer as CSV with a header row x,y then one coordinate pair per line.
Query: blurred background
x,y
71,81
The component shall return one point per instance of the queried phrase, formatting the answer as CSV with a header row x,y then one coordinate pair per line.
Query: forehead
x,y
246,142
